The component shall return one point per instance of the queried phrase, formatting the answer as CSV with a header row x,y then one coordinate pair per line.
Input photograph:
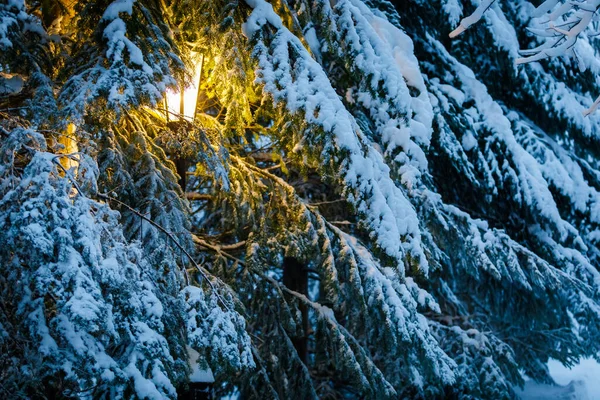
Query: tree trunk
x,y
295,277
181,165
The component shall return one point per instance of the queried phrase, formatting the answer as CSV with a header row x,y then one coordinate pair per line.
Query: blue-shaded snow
x,y
582,382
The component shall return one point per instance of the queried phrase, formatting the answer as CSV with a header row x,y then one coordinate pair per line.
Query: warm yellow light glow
x,y
190,96
70,149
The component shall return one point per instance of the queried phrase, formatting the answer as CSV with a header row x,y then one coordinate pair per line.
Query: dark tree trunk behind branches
x,y
295,277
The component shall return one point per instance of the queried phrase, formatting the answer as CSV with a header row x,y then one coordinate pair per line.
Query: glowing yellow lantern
x,y
182,103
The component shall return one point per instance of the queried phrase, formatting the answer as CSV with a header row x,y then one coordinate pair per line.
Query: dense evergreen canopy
x,y
358,207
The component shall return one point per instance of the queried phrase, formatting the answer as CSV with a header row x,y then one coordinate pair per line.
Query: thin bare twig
x,y
197,196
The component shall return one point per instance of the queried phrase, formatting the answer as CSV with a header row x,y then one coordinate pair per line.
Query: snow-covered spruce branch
x,y
347,341
564,23
304,89
205,275
472,19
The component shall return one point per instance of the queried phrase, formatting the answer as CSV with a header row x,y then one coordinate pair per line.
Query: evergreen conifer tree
x,y
370,210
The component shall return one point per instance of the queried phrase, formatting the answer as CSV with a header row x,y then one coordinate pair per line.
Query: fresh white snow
x,y
582,382
198,374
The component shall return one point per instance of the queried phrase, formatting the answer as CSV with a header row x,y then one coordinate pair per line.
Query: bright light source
x,y
190,96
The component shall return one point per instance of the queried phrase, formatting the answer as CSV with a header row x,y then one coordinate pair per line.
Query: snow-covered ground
x,y
582,382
